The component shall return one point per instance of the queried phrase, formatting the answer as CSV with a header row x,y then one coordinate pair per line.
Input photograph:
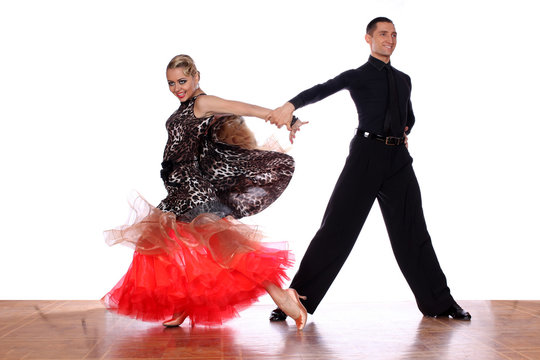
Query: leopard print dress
x,y
190,256
204,175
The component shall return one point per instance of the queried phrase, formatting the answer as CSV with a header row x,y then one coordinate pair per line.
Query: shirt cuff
x,y
297,102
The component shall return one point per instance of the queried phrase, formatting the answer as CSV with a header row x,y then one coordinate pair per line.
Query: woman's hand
x,y
281,115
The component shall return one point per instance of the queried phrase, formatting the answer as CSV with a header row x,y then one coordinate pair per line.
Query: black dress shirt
x,y
369,90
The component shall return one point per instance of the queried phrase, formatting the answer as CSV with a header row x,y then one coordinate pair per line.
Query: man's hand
x,y
405,136
295,128
282,116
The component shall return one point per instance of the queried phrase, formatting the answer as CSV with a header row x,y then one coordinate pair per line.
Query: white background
x,y
84,101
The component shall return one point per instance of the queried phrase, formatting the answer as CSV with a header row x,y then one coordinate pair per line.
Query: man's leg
x,y
401,206
346,212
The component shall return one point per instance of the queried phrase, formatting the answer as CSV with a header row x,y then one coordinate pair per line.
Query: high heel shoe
x,y
300,315
177,320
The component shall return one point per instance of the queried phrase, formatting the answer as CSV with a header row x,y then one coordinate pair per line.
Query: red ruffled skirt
x,y
210,268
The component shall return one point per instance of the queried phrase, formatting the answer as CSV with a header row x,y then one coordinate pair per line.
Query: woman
x,y
192,257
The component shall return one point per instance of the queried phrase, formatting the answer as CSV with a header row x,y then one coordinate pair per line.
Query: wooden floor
x,y
395,330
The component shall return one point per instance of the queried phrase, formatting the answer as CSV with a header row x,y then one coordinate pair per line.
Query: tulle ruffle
x,y
211,267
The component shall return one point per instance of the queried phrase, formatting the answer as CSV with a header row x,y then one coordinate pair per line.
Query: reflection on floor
x,y
394,330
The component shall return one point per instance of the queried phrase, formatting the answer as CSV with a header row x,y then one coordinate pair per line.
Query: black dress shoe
x,y
456,312
277,315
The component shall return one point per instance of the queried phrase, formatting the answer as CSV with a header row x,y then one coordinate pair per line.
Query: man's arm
x,y
410,113
410,118
283,114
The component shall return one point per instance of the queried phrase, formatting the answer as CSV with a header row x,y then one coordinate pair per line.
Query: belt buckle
x,y
390,140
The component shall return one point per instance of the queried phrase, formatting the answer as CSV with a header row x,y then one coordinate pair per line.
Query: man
x,y
378,167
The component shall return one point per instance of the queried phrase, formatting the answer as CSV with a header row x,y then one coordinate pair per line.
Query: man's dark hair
x,y
373,24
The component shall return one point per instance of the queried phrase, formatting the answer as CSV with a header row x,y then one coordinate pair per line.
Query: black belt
x,y
387,140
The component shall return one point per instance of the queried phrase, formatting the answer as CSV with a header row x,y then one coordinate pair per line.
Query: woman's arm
x,y
211,105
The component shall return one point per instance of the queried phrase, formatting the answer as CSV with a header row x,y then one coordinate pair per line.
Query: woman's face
x,y
181,85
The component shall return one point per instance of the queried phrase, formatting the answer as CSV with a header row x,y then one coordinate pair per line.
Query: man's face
x,y
383,41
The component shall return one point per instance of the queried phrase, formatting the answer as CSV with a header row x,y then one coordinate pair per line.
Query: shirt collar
x,y
378,64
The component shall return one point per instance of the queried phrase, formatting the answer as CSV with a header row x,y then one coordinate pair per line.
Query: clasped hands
x,y
283,116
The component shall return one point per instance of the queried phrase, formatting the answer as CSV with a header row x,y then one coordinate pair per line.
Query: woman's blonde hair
x,y
232,129
184,61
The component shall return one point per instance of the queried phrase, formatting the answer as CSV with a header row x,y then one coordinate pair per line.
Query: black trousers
x,y
372,171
